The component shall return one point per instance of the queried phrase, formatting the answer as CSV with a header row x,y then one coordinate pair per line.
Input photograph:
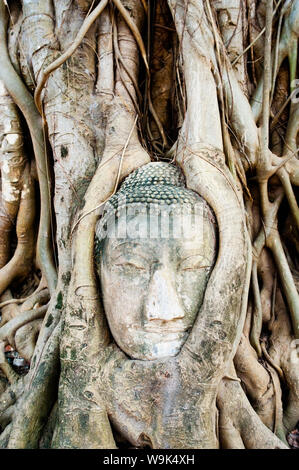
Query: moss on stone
x,y
59,301
49,320
64,151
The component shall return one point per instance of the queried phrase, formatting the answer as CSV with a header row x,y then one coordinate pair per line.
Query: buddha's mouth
x,y
168,334
166,328
151,344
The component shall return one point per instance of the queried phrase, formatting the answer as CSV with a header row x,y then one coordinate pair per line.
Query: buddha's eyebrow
x,y
115,244
187,253
115,248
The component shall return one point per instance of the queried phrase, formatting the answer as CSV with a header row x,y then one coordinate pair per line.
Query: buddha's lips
x,y
165,331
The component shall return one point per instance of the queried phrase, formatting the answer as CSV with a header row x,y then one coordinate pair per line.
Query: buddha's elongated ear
x,y
217,330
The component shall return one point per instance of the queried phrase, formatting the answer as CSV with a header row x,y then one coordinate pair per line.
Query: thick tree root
x,y
38,398
245,425
24,101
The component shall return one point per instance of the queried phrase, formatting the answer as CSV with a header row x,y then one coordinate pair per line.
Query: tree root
x,y
12,393
23,99
282,350
89,20
248,428
287,37
11,375
4,437
9,310
7,331
274,243
201,163
21,262
229,436
36,297
38,398
256,380
135,31
273,240
12,166
6,417
48,431
258,246
26,337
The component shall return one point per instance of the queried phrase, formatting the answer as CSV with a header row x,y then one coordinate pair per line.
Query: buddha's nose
x,y
162,301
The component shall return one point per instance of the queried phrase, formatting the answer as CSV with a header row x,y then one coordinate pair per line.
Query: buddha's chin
x,y
149,346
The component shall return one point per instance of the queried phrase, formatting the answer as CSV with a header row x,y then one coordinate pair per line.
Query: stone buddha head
x,y
155,249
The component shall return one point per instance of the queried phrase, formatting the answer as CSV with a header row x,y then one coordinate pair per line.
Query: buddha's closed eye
x,y
190,263
193,263
131,265
137,263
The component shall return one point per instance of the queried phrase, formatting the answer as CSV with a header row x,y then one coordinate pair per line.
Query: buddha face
x,y
153,286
